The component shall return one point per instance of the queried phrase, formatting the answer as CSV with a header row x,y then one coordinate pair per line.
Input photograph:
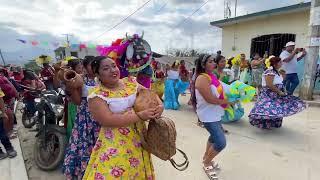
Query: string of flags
x,y
57,44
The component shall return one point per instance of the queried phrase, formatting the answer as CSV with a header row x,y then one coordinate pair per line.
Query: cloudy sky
x,y
89,21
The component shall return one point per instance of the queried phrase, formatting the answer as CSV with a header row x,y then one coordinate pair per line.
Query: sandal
x,y
210,171
215,165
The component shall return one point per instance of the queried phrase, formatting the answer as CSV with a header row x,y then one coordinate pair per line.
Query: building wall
x,y
240,35
83,52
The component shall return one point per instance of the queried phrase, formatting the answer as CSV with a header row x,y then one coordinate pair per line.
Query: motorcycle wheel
x,y
49,153
27,121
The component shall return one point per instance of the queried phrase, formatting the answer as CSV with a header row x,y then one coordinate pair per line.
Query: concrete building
x,y
63,52
265,31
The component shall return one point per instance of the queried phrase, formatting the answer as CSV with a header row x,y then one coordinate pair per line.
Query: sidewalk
x,y
13,169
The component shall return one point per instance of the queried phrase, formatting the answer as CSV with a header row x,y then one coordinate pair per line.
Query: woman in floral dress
x,y
273,104
84,133
158,80
118,153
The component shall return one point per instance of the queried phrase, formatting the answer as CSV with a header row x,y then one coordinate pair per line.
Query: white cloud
x,y
87,20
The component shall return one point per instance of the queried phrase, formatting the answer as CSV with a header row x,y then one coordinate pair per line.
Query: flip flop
x,y
210,171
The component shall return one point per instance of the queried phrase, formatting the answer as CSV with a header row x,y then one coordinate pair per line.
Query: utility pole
x,y
235,8
310,67
67,37
4,63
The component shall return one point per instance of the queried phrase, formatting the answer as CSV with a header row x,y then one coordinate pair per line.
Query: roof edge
x,y
223,22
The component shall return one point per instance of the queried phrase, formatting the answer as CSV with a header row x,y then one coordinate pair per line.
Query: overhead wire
x,y
123,20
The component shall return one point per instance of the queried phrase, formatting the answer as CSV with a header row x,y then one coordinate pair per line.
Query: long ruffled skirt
x,y
171,93
270,109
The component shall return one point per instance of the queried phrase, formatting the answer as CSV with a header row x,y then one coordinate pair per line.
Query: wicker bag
x,y
160,137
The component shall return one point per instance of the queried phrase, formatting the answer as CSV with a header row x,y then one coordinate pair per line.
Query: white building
x,y
265,31
63,52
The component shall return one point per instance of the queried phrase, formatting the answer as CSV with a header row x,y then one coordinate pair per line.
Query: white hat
x,y
291,43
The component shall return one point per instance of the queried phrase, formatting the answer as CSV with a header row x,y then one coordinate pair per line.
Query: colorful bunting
x,y
91,46
34,43
57,44
45,43
74,46
22,41
82,46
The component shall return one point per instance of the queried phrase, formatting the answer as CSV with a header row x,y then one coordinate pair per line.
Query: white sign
x,y
315,16
315,41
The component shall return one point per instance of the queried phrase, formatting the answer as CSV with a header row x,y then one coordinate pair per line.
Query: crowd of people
x,y
103,130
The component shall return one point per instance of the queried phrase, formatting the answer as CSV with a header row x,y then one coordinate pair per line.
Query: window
x,y
272,43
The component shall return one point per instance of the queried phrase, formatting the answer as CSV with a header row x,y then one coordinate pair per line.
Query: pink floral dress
x,y
118,153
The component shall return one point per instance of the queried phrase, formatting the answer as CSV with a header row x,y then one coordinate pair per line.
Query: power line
x,y
123,20
162,7
187,18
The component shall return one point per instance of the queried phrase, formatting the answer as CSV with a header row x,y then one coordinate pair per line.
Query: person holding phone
x,y
290,60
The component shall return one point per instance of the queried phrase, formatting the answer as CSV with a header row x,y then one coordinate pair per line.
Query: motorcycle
x,y
51,141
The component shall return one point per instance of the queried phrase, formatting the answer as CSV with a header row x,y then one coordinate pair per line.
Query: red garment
x,y
8,89
26,94
17,76
47,73
183,71
159,75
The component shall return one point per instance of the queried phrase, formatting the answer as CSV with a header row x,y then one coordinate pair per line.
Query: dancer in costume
x,y
257,65
173,87
244,69
210,101
76,65
118,153
184,82
84,133
223,74
273,104
158,80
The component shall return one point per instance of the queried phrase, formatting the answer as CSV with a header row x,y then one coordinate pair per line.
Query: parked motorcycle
x,y
50,142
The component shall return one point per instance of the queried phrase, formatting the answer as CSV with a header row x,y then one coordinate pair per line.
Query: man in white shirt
x,y
290,60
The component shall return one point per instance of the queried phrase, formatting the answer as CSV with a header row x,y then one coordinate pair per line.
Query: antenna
x,y
227,9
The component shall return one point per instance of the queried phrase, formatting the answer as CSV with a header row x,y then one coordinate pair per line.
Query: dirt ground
x,y
288,153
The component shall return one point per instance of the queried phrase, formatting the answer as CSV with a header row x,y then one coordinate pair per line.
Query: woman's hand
x,y
147,114
159,111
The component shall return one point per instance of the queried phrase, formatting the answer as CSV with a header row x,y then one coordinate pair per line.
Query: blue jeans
x,y
4,137
291,82
217,137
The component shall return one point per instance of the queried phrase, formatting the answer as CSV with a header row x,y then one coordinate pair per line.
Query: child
x,y
11,153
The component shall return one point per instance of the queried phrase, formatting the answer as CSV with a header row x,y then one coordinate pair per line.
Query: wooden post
x,y
310,67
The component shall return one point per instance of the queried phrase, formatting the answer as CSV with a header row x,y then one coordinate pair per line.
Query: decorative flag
x,y
34,43
45,43
55,44
82,46
22,41
73,46
91,46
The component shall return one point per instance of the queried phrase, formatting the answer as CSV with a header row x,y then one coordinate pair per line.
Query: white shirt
x,y
208,112
291,66
278,79
173,75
